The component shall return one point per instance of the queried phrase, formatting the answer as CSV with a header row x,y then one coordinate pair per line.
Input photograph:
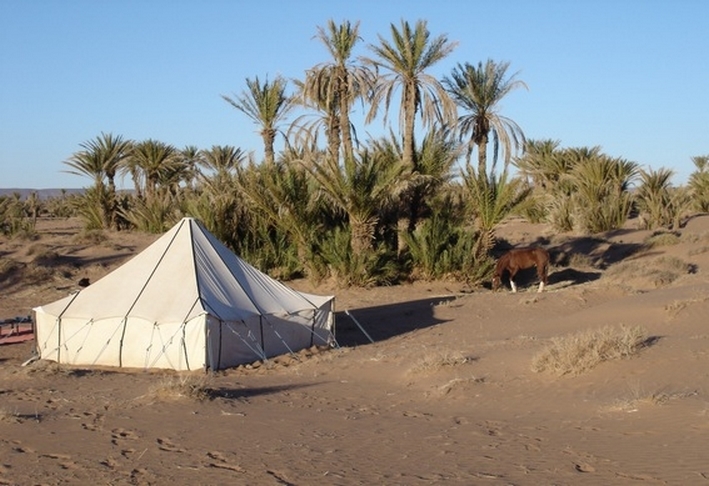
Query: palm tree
x,y
478,91
600,191
340,82
699,183
406,59
660,204
491,199
287,196
541,163
153,162
102,158
361,188
435,158
87,163
305,128
191,157
222,158
267,105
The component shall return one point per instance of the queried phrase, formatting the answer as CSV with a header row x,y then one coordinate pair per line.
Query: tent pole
x,y
360,326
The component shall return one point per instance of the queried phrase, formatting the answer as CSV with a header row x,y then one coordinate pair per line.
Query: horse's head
x,y
496,282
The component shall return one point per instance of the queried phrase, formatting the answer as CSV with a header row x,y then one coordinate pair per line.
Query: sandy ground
x,y
445,394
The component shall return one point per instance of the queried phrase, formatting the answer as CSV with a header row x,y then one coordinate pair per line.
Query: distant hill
x,y
42,193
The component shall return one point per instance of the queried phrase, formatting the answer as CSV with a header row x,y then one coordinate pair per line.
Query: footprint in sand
x,y
127,453
23,450
109,463
167,445
217,456
66,461
222,462
123,434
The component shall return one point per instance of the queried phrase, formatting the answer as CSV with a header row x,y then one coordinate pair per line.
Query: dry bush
x,y
676,306
580,260
659,272
90,236
662,239
638,395
458,383
8,268
698,251
434,361
580,352
695,237
9,417
46,367
174,387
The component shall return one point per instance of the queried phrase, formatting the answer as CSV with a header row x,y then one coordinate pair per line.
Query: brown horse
x,y
520,259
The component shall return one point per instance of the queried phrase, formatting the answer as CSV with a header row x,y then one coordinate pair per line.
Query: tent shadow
x,y
386,321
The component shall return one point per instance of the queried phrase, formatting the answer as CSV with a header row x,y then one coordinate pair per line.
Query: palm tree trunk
x,y
269,138
409,116
345,123
362,235
112,204
482,157
333,137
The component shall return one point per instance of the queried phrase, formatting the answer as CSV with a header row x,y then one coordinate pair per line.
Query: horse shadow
x,y
372,324
571,276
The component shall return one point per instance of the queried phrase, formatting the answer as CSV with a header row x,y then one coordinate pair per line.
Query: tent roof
x,y
185,273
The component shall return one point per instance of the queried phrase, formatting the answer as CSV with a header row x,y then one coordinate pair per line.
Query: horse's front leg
x,y
513,285
542,275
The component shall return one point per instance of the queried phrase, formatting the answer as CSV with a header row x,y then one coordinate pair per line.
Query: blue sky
x,y
630,76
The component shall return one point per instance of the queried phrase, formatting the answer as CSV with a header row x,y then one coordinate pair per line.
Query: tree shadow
x,y
601,252
386,321
78,262
228,393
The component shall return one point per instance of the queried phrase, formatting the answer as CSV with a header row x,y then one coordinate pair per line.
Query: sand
x,y
445,394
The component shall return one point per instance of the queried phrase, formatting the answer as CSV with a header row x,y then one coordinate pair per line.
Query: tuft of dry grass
x,y
661,271
581,260
92,237
580,352
175,387
695,237
457,383
676,306
9,417
662,239
8,267
49,368
637,396
433,361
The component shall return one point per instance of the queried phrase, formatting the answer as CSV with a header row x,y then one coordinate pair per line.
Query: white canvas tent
x,y
186,302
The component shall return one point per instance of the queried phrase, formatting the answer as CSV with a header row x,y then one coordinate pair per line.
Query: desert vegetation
x,y
368,211
582,351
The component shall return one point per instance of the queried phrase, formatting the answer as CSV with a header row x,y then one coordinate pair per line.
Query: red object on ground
x,y
16,333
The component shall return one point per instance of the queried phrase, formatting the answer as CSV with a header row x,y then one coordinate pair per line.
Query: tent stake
x,y
360,326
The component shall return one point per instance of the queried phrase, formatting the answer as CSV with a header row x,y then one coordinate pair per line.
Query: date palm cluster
x,y
411,204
